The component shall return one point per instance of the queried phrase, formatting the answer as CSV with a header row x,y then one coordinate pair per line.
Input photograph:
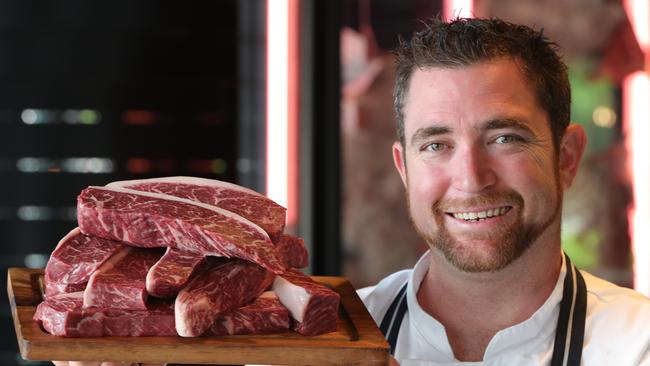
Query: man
x,y
485,152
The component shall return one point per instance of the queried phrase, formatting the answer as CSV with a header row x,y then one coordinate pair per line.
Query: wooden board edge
x,y
235,355
365,347
358,313
23,345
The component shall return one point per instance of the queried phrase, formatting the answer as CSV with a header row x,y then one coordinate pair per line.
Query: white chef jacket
x,y
617,329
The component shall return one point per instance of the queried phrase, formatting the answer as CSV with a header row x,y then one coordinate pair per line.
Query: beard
x,y
509,242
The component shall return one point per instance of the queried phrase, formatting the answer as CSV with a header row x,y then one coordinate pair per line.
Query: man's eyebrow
x,y
499,123
425,132
493,124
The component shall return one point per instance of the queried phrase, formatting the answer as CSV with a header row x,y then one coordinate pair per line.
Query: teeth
x,y
481,215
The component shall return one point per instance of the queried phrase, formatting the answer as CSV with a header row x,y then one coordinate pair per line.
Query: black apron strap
x,y
570,331
392,320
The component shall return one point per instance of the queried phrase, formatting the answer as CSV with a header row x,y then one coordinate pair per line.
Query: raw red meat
x,y
217,263
243,201
217,291
74,259
172,272
63,315
156,220
313,306
264,315
168,276
120,282
292,251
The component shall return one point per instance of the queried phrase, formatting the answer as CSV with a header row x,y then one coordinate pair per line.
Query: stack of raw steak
x,y
181,256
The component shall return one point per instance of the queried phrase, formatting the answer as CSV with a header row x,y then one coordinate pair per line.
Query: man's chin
x,y
479,255
477,263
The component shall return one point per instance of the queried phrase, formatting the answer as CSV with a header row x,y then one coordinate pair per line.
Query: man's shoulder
x,y
615,309
377,298
617,322
609,294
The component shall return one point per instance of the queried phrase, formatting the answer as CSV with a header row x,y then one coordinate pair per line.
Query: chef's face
x,y
478,163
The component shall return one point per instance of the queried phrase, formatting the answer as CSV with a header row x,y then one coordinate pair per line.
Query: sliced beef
x,y
264,315
172,272
245,202
313,306
156,220
64,315
156,320
217,291
216,260
292,251
74,259
120,282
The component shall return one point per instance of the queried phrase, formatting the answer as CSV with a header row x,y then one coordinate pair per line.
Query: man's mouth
x,y
473,216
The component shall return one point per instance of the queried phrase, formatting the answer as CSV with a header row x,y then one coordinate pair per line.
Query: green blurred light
x,y
89,117
219,166
583,248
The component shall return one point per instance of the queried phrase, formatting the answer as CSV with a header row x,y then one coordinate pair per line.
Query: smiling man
x,y
485,153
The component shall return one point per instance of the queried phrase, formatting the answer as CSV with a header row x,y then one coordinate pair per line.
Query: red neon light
x,y
458,8
636,93
294,111
282,101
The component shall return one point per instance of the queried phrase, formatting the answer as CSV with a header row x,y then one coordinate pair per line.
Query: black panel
x,y
326,256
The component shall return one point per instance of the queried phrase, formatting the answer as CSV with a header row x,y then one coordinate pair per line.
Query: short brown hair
x,y
463,42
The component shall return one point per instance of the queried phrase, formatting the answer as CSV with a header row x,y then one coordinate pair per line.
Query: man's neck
x,y
473,307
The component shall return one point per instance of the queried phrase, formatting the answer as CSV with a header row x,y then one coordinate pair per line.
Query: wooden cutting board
x,y
357,341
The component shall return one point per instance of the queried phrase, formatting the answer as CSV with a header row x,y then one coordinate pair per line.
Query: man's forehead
x,y
477,94
492,71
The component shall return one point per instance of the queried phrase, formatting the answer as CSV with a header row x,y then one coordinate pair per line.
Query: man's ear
x,y
399,160
572,147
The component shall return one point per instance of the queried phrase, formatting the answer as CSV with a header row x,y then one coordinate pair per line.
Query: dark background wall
x,y
97,91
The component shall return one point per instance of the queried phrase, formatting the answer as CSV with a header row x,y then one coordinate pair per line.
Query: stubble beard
x,y
510,242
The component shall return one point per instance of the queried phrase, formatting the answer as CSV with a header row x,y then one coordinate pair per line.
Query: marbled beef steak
x,y
155,220
313,306
217,291
75,258
243,201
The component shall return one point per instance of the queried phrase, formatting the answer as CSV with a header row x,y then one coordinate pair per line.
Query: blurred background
x,y
292,98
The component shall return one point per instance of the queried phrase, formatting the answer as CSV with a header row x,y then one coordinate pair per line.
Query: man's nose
x,y
473,170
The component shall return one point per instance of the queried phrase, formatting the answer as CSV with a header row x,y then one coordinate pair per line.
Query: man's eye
x,y
435,146
505,139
